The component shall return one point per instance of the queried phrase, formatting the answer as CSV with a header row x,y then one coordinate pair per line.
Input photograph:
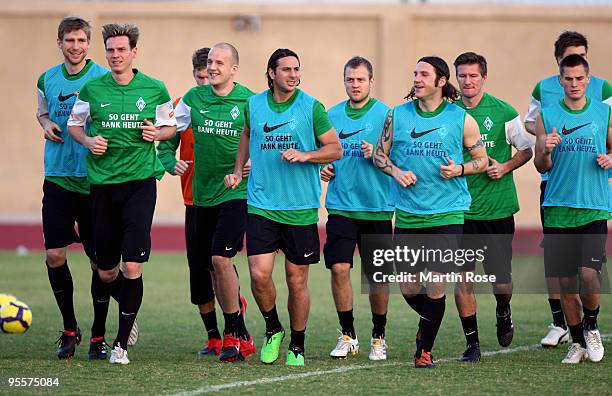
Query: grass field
x,y
164,360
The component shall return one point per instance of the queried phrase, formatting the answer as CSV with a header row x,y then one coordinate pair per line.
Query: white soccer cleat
x,y
345,345
133,338
575,354
378,349
594,346
556,335
118,356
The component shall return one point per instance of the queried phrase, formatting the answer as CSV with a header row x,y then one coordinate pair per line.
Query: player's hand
x,y
367,149
552,140
232,180
149,131
97,145
181,167
327,172
496,170
604,161
451,170
293,155
246,170
404,178
51,131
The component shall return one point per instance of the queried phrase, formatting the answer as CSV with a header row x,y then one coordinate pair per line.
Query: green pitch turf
x,y
164,360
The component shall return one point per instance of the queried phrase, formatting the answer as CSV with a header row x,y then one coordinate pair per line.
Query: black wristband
x,y
462,170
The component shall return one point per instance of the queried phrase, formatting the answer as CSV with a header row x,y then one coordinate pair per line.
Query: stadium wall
x,y
517,41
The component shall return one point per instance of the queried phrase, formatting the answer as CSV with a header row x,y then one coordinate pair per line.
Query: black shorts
x,y
497,236
300,243
122,217
220,229
567,249
200,279
60,210
436,238
344,233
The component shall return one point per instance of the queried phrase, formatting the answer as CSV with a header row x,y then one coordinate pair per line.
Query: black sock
x,y
346,322
577,334
297,339
557,312
61,284
502,309
100,298
210,323
273,325
129,304
590,318
231,320
431,318
241,330
470,329
114,287
416,302
379,322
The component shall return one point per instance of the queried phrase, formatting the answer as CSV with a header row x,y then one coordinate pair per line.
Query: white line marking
x,y
316,373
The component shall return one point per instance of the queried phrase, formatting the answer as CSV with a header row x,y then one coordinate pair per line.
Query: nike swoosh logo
x,y
574,129
63,98
204,111
343,135
271,128
308,254
228,248
416,135
104,104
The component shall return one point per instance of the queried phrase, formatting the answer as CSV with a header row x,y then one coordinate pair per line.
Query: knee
x,y
108,276
340,272
56,257
259,278
132,270
464,288
222,264
297,280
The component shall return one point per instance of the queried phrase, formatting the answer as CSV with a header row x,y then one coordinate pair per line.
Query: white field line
x,y
316,373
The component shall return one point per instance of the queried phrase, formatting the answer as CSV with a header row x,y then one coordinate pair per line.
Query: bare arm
x,y
605,160
330,150
473,144
97,144
381,155
544,146
496,170
242,156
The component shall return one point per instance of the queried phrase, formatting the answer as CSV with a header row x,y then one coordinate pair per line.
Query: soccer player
x,y
576,133
66,198
358,203
126,112
215,112
494,199
421,147
546,92
287,134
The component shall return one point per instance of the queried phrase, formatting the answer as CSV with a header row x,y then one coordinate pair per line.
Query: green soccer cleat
x,y
271,346
295,356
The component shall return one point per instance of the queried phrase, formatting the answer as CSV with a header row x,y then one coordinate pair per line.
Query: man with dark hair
x,y
287,134
547,92
118,109
421,147
215,112
66,198
494,199
576,204
358,203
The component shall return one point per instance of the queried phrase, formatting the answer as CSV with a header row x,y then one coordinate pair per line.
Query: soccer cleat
x,y
423,359
230,352
243,306
133,338
505,329
471,353
119,356
556,335
378,349
213,347
295,356
67,343
247,347
97,349
345,345
575,354
594,347
271,347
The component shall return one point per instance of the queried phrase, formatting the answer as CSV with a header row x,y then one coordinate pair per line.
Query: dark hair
x,y
117,30
472,58
357,61
569,39
71,24
573,60
449,92
273,62
199,58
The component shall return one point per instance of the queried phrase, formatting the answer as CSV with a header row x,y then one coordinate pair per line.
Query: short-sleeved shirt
x,y
116,112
